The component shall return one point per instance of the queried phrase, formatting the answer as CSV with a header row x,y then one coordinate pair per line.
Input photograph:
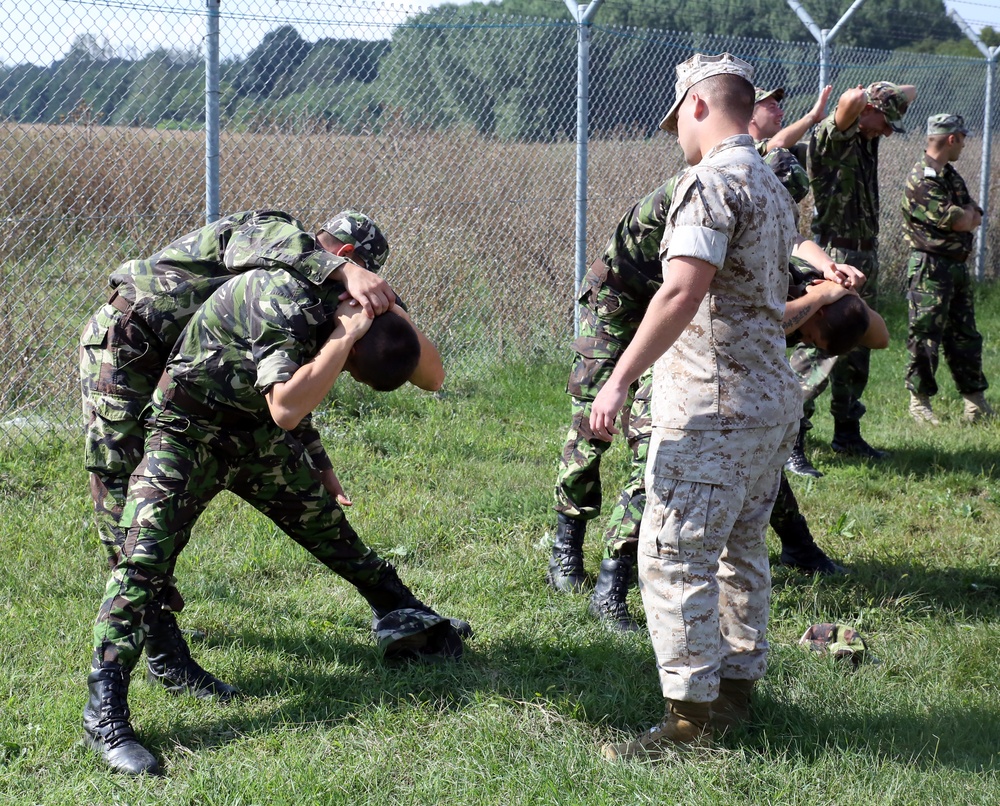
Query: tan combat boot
x,y
685,724
731,708
977,409
920,409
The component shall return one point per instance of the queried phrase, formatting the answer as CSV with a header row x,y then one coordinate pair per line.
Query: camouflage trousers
x,y
608,321
942,315
120,362
847,375
184,467
703,565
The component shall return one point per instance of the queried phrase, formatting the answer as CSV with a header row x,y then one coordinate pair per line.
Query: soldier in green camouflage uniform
x,y
123,350
939,217
613,298
843,164
232,411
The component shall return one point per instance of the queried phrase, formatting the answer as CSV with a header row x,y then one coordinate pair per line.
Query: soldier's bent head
x,y
386,356
842,325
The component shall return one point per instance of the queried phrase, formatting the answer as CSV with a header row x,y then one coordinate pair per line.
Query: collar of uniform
x,y
736,141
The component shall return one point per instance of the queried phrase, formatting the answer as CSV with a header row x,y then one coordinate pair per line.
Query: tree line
x,y
507,69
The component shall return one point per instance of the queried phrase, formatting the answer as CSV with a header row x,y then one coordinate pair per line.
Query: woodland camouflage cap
x,y
762,95
410,634
363,234
946,124
890,100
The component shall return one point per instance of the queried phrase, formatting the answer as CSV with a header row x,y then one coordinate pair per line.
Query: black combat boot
x,y
798,463
608,600
389,594
566,564
170,664
106,726
847,440
799,550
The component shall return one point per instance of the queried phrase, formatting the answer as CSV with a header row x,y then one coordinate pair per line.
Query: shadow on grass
x,y
919,462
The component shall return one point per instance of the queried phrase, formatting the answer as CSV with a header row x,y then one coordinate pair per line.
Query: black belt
x,y
852,244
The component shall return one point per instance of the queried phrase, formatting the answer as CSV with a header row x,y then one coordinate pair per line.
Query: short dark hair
x,y
843,324
733,93
387,354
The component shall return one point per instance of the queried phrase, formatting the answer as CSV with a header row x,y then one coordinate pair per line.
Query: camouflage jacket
x,y
253,332
787,168
844,171
932,201
166,288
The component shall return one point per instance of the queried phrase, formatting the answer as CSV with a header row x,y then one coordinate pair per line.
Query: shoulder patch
x,y
929,173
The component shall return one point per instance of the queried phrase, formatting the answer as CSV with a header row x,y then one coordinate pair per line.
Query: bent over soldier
x,y
939,217
229,412
123,350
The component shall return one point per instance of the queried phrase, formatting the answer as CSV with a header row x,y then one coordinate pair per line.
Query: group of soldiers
x,y
202,370
939,217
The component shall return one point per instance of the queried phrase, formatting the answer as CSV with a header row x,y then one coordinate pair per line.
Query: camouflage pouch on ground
x,y
408,634
843,642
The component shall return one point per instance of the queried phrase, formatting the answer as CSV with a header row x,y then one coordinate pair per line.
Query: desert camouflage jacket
x,y
932,201
844,171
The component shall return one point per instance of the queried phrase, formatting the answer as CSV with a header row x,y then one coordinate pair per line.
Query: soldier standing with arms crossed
x,y
939,217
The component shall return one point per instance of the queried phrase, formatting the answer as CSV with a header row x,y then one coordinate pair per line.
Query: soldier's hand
x,y
604,411
371,291
845,274
352,317
333,486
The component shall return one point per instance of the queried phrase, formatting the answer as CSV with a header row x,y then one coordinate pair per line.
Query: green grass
x,y
455,488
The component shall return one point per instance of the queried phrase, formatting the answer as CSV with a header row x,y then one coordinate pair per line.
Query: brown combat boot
x,y
731,709
685,724
977,409
920,409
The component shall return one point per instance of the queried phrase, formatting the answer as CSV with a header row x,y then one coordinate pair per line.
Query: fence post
x,y
984,172
212,111
583,17
825,36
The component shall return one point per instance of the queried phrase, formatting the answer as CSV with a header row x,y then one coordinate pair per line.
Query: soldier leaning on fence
x,y
724,408
843,164
614,295
939,217
123,351
252,363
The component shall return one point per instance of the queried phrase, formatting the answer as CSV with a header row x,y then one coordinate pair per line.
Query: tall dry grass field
x,y
482,231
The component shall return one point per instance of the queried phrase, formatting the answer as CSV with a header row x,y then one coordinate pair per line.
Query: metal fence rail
x,y
456,132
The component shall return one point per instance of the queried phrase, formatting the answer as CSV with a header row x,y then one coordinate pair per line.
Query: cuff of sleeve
x,y
698,242
277,369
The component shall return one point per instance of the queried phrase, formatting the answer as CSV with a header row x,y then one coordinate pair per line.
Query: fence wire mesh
x,y
454,128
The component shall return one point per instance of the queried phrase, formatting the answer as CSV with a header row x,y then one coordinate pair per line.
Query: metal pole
x,y
212,111
824,36
583,19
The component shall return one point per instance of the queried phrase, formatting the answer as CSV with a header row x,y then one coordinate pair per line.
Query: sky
x,y
41,31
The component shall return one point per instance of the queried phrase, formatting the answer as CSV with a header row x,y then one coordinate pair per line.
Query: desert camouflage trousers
x,y
120,362
847,375
608,321
703,564
184,467
942,316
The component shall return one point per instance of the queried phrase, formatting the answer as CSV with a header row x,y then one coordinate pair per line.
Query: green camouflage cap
x,y
762,94
946,123
839,640
698,68
410,634
890,100
790,171
363,234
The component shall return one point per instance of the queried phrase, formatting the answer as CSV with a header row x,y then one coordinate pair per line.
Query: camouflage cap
x,y
838,640
790,171
762,94
698,68
946,123
363,234
410,634
890,100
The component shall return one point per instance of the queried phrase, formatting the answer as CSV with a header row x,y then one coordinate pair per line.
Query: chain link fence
x,y
455,129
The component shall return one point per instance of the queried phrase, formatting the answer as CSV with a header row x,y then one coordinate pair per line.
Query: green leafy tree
x,y
279,54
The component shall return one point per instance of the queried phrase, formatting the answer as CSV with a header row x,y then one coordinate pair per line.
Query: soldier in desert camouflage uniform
x,y
614,295
232,411
724,409
123,350
843,164
939,217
